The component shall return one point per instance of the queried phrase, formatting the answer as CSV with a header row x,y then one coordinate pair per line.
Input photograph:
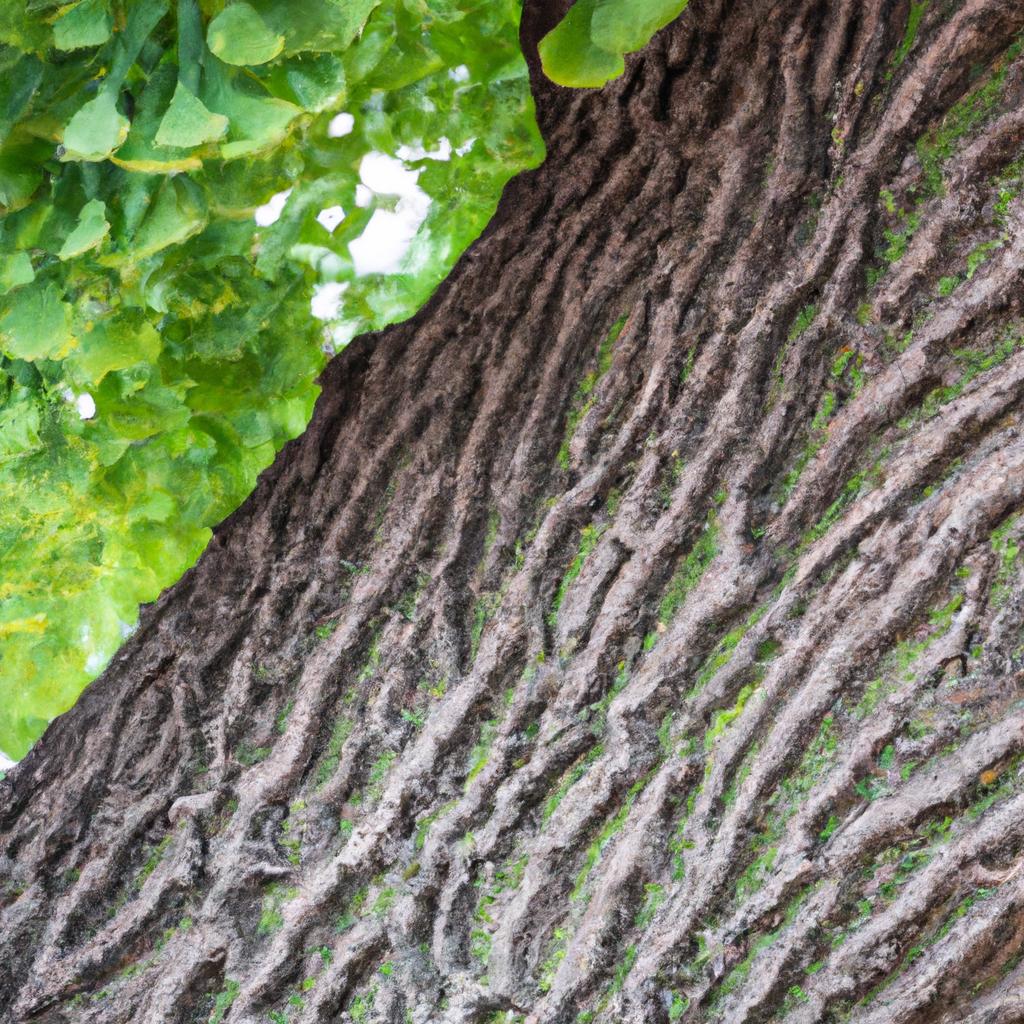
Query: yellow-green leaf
x,y
85,24
95,131
188,123
238,35
569,55
90,231
36,324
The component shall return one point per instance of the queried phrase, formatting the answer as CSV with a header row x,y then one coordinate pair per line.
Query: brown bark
x,y
520,690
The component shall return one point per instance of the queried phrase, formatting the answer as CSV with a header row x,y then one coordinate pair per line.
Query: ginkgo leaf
x,y
569,55
141,151
107,347
624,26
15,270
316,25
586,48
177,213
238,35
85,24
188,123
37,324
95,131
256,121
90,231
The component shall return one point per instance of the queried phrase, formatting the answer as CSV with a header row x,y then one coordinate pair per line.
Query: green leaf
x,y
114,345
238,35
95,131
15,269
92,228
188,123
141,151
20,423
37,324
20,75
623,26
177,213
586,48
86,24
20,177
569,55
257,122
316,25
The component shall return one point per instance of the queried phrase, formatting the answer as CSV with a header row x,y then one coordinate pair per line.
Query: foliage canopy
x,y
182,184
157,343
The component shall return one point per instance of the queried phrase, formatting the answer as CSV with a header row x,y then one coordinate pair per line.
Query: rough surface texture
x,y
578,668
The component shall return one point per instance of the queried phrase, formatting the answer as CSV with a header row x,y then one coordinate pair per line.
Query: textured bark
x,y
555,676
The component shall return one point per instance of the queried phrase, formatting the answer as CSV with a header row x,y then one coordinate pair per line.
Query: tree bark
x,y
636,634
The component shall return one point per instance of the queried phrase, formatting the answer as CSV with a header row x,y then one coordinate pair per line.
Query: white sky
x,y
389,234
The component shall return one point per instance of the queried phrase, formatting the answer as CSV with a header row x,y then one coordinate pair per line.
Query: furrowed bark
x,y
636,634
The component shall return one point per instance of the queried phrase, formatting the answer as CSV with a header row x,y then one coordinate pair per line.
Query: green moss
x,y
787,799
156,854
483,611
980,253
940,143
608,832
670,478
248,755
223,1000
589,536
803,320
756,873
383,903
583,399
281,721
362,1005
723,652
332,755
508,877
378,773
654,896
721,720
973,363
407,604
353,912
274,898
372,663
292,829
323,631
480,945
816,439
578,770
424,824
481,752
943,617
746,765
622,969
597,713
690,571
556,954
898,664
1006,546
679,1006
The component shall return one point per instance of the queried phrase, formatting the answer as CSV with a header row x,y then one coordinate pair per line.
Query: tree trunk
x,y
636,634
